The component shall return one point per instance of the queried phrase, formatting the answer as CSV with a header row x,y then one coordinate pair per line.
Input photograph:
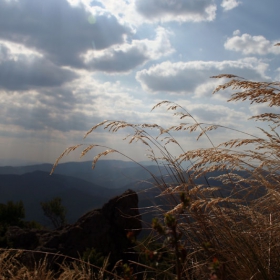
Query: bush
x,y
11,213
55,211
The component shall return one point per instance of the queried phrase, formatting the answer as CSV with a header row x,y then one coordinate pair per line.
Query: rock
x,y
22,238
103,229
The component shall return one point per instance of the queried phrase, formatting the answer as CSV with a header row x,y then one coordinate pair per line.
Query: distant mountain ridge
x,y
83,189
78,196
80,187
111,174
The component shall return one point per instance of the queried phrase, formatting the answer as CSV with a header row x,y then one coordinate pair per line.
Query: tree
x,y
55,211
12,213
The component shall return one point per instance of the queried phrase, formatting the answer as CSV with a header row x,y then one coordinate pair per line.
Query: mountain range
x,y
82,188
79,187
111,174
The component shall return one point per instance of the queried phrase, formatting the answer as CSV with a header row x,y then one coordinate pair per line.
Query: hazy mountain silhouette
x,y
86,189
111,174
78,196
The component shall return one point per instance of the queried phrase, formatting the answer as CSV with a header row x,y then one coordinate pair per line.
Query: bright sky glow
x,y
67,65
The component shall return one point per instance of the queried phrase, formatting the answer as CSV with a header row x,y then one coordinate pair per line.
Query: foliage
x,y
92,256
55,211
32,224
156,257
11,213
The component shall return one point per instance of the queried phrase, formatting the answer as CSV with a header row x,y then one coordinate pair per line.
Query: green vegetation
x,y
12,213
55,211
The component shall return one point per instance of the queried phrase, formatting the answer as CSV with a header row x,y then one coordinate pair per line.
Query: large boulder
x,y
104,229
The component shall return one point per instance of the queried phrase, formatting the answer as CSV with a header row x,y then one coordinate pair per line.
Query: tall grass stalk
x,y
233,236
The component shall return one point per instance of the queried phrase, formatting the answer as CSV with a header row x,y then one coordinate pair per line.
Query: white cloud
x,y
230,4
74,107
193,77
236,32
248,44
123,10
258,109
277,74
16,50
125,57
219,114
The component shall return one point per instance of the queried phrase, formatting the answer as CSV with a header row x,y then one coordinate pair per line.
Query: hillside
x,y
78,196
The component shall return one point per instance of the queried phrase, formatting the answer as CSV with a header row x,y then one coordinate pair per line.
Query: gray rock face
x,y
103,229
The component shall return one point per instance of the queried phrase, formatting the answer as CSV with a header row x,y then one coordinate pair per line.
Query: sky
x,y
66,65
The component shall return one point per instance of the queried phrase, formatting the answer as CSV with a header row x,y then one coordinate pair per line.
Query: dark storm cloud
x,y
24,72
57,30
158,9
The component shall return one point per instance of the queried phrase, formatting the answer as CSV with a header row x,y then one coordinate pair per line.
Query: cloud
x,y
123,58
219,114
43,118
177,10
227,115
26,70
123,10
277,72
230,4
41,111
258,109
47,109
119,59
248,44
188,77
59,31
76,106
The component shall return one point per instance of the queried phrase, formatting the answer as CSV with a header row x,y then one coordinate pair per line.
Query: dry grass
x,y
232,237
12,268
217,237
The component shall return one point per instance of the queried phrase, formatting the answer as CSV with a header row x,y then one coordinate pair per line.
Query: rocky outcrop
x,y
103,229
